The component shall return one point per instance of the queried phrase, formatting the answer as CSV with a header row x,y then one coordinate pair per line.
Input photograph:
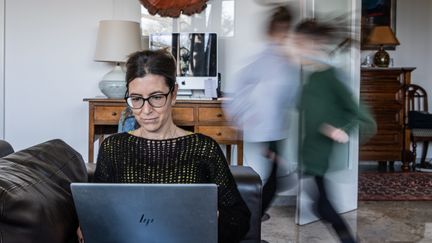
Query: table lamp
x,y
116,39
382,36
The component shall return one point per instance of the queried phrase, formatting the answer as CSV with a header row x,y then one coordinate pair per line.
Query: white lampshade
x,y
117,39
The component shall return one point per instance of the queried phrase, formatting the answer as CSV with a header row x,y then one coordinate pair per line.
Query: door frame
x,y
2,68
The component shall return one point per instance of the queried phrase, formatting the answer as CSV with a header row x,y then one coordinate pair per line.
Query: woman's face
x,y
150,118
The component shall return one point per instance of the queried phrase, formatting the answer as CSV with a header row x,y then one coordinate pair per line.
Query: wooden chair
x,y
416,100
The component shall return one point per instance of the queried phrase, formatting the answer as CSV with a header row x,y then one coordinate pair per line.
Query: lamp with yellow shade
x,y
382,36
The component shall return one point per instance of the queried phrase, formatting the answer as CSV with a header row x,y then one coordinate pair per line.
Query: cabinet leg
x,y
424,153
405,166
382,166
391,166
240,153
228,153
407,160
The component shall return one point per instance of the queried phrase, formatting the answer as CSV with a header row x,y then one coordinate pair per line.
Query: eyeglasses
x,y
156,100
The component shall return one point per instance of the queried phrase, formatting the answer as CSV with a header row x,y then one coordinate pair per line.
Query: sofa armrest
x,y
249,185
35,198
5,148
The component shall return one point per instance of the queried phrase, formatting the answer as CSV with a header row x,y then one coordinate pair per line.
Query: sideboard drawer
x,y
219,132
107,114
212,114
183,114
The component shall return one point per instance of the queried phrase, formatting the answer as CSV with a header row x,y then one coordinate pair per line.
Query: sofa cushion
x,y
35,200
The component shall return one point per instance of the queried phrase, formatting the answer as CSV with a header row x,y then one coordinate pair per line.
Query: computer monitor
x,y
196,56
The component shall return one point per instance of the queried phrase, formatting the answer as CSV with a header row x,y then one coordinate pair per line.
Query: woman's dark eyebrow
x,y
152,93
156,92
135,94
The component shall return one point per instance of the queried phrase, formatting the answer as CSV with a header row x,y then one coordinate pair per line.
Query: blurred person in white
x,y
265,91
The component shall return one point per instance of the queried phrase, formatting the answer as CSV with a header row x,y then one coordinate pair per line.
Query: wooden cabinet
x,y
205,117
380,90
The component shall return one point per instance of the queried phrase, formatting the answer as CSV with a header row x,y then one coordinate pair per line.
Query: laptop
x,y
146,213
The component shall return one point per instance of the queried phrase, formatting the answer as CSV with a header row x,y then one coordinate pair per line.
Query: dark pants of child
x,y
270,187
329,214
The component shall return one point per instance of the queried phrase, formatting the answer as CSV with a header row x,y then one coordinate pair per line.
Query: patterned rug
x,y
396,186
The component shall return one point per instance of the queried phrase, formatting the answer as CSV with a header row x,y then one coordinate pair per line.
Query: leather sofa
x,y
35,199
249,185
5,148
36,203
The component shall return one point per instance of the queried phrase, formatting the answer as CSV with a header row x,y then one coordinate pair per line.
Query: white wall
x,y
49,67
414,31
236,51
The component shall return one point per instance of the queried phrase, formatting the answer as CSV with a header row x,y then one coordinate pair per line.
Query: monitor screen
x,y
195,53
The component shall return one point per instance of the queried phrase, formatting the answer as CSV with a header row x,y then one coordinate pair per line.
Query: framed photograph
x,y
377,12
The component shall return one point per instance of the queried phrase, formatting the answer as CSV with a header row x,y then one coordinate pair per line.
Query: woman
x,y
329,110
161,152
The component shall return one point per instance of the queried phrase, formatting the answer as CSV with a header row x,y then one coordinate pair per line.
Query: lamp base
x,y
113,84
381,58
113,89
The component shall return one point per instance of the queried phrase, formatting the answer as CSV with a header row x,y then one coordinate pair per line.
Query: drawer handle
x,y
219,134
114,113
219,115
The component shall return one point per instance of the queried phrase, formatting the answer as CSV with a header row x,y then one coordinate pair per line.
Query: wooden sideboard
x,y
201,116
380,90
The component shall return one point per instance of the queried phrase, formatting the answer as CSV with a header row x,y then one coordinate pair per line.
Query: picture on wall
x,y
377,12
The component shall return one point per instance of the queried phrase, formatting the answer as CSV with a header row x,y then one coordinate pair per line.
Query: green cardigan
x,y
325,99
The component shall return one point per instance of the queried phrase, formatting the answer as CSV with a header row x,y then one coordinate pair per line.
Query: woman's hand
x,y
80,235
334,133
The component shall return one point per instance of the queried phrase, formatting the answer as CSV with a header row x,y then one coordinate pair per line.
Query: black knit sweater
x,y
194,158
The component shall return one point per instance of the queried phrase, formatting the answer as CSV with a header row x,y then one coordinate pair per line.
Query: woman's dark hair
x,y
331,32
280,20
159,62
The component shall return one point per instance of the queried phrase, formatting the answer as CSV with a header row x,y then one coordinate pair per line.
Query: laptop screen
x,y
146,212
